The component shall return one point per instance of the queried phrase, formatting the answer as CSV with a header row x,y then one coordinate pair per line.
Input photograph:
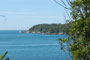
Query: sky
x,y
23,14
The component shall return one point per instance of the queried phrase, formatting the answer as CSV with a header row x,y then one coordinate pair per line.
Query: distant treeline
x,y
50,28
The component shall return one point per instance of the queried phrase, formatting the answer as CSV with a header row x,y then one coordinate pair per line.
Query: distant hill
x,y
50,28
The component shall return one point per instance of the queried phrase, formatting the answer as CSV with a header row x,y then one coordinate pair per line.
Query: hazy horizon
x,y
23,14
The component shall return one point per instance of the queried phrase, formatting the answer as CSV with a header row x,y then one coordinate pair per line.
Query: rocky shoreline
x,y
60,33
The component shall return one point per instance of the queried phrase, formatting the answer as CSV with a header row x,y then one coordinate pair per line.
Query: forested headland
x,y
50,28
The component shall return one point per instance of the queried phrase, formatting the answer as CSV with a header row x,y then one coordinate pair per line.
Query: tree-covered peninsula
x,y
50,28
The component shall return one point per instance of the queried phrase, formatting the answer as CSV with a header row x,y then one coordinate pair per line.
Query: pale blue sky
x,y
23,14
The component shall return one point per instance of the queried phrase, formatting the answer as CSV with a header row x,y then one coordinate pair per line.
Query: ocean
x,y
28,46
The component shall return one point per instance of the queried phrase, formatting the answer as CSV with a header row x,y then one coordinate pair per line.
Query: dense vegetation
x,y
80,31
51,28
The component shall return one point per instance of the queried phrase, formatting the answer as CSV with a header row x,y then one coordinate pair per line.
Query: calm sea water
x,y
31,46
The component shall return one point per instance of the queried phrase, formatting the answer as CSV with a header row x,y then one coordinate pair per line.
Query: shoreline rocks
x,y
60,33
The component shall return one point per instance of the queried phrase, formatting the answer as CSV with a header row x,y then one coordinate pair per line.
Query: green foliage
x,y
2,56
80,34
80,31
51,28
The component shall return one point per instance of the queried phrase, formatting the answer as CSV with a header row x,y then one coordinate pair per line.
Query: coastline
x,y
48,33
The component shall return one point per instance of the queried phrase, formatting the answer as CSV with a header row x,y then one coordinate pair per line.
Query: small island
x,y
50,28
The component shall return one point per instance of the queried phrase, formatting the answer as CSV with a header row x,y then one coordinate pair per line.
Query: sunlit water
x,y
31,46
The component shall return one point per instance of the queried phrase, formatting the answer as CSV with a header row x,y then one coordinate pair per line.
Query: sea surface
x,y
28,46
